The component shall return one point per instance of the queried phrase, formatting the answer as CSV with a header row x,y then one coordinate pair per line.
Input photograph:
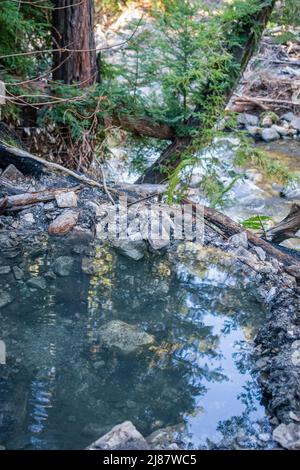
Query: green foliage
x,y
23,27
286,13
256,222
178,63
273,169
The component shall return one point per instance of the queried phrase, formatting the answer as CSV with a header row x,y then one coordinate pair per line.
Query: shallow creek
x,y
66,383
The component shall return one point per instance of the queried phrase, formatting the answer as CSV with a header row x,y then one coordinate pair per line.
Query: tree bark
x,y
73,30
171,156
143,127
287,228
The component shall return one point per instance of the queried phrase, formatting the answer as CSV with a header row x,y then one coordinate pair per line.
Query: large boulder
x,y
124,436
126,338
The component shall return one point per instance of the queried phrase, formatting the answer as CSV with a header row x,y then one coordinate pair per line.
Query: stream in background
x,y
67,382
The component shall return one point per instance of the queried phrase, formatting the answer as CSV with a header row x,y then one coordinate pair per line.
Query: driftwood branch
x,y
26,199
287,228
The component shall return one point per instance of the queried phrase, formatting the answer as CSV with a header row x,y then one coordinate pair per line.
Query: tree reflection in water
x,y
72,388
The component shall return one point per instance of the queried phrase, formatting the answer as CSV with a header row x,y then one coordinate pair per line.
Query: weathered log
x,y
287,228
229,228
171,156
27,199
33,165
143,127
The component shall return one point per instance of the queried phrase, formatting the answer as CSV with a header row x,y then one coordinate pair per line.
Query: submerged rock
x,y
4,270
134,249
5,299
18,273
288,436
124,436
38,282
127,338
63,265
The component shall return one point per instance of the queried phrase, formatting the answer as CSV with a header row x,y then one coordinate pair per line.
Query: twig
x,y
104,184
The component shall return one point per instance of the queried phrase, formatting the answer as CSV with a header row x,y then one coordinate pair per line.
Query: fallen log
x,y
143,127
287,228
30,164
27,199
229,228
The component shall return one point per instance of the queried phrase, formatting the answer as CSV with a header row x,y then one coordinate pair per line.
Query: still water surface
x,y
63,387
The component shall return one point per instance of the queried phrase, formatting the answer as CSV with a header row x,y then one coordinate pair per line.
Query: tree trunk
x,y
73,32
171,156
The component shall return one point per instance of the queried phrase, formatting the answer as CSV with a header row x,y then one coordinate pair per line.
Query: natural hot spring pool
x,y
67,382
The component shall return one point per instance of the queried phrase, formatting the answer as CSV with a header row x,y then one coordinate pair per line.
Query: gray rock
x,y
127,338
38,282
259,252
270,134
296,353
63,265
288,436
18,273
294,416
254,131
264,437
134,249
288,116
165,437
66,199
5,299
295,123
124,436
4,270
28,218
294,271
291,190
239,240
283,131
247,119
12,173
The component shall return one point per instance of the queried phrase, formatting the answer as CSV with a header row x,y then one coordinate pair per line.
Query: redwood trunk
x,y
73,32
